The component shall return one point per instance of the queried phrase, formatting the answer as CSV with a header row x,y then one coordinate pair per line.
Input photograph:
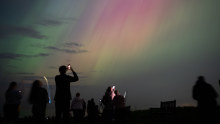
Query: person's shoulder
x,y
60,77
75,99
57,76
207,85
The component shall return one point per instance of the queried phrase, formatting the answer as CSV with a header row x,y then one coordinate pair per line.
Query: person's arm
x,y
219,82
75,78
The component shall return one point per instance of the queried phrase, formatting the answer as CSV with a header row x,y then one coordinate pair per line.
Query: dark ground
x,y
182,115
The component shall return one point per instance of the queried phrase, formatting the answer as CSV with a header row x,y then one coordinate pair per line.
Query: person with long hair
x,y
12,104
39,99
108,105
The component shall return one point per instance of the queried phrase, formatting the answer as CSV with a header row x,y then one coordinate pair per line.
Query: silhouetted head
x,y
35,90
12,85
108,89
201,79
37,84
62,69
77,94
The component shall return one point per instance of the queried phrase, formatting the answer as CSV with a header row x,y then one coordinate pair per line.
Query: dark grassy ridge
x,y
182,115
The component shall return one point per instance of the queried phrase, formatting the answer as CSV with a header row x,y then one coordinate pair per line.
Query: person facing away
x,y
119,100
13,100
119,107
78,107
39,99
92,110
63,95
108,105
206,96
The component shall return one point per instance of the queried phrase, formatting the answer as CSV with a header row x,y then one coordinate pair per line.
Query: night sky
x,y
152,49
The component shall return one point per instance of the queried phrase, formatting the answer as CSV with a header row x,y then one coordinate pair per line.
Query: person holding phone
x,y
63,95
107,101
12,103
113,92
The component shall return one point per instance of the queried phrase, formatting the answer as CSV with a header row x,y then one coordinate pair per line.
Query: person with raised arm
x,y
63,95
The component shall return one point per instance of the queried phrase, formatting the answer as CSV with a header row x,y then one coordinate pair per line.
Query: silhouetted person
x,y
206,96
119,100
39,99
93,112
119,107
12,103
63,95
219,82
108,105
78,107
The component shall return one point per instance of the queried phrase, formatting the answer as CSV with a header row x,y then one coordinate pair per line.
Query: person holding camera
x,y
63,95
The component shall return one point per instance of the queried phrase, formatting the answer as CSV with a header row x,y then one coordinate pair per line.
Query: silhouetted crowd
x,y
114,104
112,101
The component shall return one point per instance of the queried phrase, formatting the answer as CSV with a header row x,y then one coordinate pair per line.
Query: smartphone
x,y
68,67
113,87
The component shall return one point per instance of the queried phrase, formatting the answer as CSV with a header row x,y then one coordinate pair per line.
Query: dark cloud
x,y
73,44
8,31
19,56
10,56
48,22
65,50
40,55
56,21
37,45
25,73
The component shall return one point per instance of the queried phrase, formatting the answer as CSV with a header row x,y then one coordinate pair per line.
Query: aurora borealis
x,y
152,49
